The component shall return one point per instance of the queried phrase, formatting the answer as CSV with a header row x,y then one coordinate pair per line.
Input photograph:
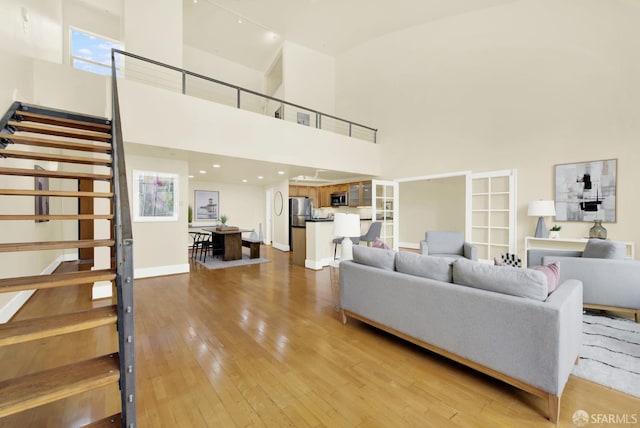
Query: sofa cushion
x,y
604,249
552,272
376,257
519,282
432,267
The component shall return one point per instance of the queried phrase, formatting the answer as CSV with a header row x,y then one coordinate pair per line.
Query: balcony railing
x,y
194,84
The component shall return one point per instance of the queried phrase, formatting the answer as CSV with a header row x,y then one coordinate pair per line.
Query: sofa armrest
x,y
470,251
534,256
608,282
424,247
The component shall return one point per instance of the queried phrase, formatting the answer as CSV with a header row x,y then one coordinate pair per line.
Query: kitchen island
x,y
320,241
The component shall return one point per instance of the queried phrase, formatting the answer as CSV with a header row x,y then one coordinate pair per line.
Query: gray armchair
x,y
609,281
447,244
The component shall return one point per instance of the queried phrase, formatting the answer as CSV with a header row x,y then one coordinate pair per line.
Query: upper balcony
x,y
171,107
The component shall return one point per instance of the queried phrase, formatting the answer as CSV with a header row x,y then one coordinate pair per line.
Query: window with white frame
x,y
91,52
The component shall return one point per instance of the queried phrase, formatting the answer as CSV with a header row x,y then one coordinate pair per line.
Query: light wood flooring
x,y
262,345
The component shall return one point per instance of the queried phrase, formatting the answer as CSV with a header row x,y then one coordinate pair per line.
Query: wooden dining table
x,y
231,242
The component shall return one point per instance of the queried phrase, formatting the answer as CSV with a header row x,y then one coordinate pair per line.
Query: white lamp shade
x,y
542,208
346,224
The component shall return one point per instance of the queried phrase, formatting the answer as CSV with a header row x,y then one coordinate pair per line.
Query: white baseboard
x,y
281,247
317,265
160,271
13,306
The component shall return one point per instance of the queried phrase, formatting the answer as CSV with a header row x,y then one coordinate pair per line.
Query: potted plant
x,y
554,232
190,215
223,219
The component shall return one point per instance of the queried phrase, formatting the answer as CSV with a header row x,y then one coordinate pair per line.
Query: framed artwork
x,y
41,202
303,119
155,196
586,191
207,205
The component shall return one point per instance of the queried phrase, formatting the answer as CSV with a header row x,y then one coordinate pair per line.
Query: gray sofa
x,y
529,342
610,281
447,244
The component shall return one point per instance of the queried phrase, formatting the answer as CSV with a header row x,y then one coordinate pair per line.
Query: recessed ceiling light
x,y
244,180
260,177
203,172
216,165
239,20
191,176
281,172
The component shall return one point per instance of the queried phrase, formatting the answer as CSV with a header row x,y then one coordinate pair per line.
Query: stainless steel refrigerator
x,y
300,209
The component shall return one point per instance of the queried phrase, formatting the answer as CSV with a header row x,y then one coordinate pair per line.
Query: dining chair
x,y
373,233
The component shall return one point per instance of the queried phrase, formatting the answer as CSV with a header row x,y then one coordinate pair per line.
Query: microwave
x,y
340,199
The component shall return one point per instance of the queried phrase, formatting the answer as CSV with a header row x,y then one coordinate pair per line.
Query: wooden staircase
x,y
33,134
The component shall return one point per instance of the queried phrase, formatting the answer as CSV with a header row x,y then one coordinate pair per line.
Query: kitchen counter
x,y
320,242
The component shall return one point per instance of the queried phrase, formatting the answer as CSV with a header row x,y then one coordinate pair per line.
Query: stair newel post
x,y
238,97
184,82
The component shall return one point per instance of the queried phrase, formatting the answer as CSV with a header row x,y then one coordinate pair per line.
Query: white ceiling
x,y
236,170
329,26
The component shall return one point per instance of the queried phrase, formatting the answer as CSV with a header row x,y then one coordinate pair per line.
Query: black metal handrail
x,y
239,89
124,264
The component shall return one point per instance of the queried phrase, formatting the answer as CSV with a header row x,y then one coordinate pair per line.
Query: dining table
x,y
231,241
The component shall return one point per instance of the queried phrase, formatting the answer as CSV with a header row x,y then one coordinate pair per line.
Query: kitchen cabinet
x,y
310,192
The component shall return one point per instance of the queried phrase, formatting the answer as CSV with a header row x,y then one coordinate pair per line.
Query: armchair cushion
x,y
445,242
604,249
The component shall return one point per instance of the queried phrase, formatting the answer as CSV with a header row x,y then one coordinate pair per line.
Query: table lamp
x,y
541,209
346,225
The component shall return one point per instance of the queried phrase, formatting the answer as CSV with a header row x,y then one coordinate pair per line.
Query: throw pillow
x,y
432,267
519,282
377,243
499,262
552,272
375,257
604,249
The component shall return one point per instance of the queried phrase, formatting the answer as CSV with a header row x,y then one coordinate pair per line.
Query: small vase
x,y
554,234
598,231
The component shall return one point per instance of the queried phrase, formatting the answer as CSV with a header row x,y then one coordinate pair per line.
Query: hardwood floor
x,y
261,345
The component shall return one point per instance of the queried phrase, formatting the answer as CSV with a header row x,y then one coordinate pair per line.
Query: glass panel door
x,y
385,209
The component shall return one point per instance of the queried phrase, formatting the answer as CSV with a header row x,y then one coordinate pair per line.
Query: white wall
x,y
491,90
280,227
160,248
32,28
437,204
309,78
154,30
244,205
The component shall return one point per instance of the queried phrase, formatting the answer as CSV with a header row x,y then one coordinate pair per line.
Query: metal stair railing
x,y
124,265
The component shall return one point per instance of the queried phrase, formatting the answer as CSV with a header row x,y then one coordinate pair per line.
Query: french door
x,y
384,208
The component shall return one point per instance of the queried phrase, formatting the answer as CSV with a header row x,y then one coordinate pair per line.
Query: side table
x,y
334,279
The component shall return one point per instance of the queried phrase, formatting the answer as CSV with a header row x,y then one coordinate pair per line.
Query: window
x,y
92,53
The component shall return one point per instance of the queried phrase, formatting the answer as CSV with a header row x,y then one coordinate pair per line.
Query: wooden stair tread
x,y
53,174
56,217
56,144
18,154
56,280
27,392
38,328
62,193
61,132
108,422
55,245
58,121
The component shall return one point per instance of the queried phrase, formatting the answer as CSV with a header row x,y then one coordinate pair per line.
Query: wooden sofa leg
x,y
344,317
637,315
554,408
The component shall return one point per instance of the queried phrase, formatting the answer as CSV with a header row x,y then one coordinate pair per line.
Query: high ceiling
x,y
250,32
